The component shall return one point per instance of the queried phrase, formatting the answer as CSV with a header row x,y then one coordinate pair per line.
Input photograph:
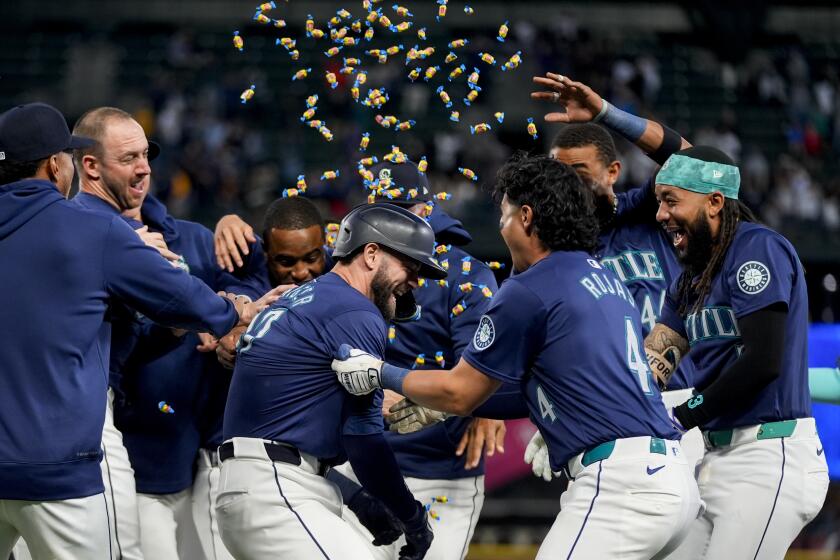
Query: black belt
x,y
281,452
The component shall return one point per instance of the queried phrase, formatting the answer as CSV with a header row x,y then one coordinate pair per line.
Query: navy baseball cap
x,y
405,176
36,131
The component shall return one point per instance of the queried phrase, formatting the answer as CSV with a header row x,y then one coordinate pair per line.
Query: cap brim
x,y
80,142
154,150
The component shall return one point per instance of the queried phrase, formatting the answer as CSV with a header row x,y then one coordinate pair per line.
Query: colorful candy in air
x,y
329,175
332,51
266,6
441,9
332,80
363,144
422,165
458,43
468,10
471,96
503,31
500,116
301,183
402,11
495,265
439,360
414,74
513,62
164,407
468,173
289,193
419,361
480,128
532,128
466,266
444,97
430,72
392,334
455,116
450,57
421,33
301,74
246,95
472,79
308,114
312,100
457,71
442,196
459,308
488,58
238,41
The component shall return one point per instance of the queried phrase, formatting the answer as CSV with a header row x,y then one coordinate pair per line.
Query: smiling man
x,y
287,420
741,307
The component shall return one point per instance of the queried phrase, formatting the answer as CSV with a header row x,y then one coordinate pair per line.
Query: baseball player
x,y
56,303
291,251
741,307
631,243
432,459
633,494
286,419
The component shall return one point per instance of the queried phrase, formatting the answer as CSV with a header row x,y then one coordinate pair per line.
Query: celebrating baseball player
x,y
287,421
601,413
741,307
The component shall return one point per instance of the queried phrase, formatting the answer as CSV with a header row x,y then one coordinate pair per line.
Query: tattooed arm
x,y
664,348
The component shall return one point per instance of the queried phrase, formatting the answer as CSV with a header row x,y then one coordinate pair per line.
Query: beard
x,y
698,251
382,293
604,210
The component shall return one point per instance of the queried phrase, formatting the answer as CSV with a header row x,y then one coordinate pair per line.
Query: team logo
x,y
717,174
484,334
385,174
753,277
593,263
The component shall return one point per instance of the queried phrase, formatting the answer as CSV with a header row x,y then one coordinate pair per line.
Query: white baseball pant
x,y
204,492
691,441
759,494
271,509
56,530
456,521
120,491
166,526
635,504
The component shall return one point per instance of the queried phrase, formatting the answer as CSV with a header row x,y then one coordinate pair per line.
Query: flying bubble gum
x,y
329,175
444,96
356,26
332,51
315,124
414,74
364,142
326,133
495,265
301,183
466,287
458,43
430,72
368,161
369,34
392,334
421,33
310,24
295,54
532,128
344,14
402,11
442,248
488,58
246,95
443,196
457,71
164,407
422,165
468,100
312,100
406,125
513,62
238,41
468,10
459,308
420,360
439,359
468,173
308,114
394,49
317,33
472,79
332,80
400,27
301,74
455,116
503,31
262,18
266,6
450,57
480,128
441,10
289,193
279,23
351,61
500,116
486,292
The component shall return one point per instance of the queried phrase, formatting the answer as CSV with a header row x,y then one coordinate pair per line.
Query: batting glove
x,y
418,536
358,371
536,455
407,417
376,518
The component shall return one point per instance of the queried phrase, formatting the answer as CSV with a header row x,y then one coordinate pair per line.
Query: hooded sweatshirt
x,y
64,267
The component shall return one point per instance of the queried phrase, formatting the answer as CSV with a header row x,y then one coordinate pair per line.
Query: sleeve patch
x,y
485,334
753,277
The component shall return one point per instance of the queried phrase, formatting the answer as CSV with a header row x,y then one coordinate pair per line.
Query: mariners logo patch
x,y
485,334
753,277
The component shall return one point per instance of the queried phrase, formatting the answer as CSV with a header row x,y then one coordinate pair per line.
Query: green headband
x,y
700,176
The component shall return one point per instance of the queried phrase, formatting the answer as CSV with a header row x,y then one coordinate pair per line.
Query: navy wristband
x,y
392,377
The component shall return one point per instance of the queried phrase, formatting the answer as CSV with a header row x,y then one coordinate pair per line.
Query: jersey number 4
x,y
636,360
259,327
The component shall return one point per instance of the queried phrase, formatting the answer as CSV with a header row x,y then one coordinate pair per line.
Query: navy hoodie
x,y
430,453
164,368
64,268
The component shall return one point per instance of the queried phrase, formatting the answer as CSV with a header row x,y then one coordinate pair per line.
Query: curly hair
x,y
580,135
291,213
564,209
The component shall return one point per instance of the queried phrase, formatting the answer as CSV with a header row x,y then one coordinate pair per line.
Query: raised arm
x,y
582,104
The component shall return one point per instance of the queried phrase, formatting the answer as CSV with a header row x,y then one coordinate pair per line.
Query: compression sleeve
x,y
763,335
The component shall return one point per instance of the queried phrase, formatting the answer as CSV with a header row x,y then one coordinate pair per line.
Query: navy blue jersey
x,y
283,388
760,269
437,338
70,265
164,378
569,332
642,255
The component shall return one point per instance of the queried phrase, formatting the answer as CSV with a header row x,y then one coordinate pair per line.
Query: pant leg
x,y
274,510
189,545
760,495
615,509
158,528
120,491
64,529
457,517
9,535
205,489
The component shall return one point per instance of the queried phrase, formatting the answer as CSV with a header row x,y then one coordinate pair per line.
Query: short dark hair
x,y
564,209
579,135
13,171
293,212
92,125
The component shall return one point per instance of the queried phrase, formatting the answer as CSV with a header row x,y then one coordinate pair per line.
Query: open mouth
x,y
136,188
678,236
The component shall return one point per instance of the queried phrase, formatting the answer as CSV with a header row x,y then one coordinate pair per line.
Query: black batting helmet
x,y
392,227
